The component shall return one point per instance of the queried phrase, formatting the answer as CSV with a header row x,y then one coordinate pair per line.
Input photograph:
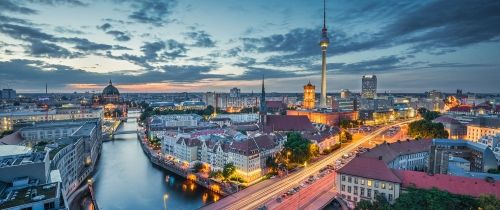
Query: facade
x,y
456,130
309,96
20,161
8,94
346,104
482,126
9,119
32,196
240,118
186,149
75,157
481,157
365,177
369,86
345,94
50,131
234,92
249,155
328,118
403,155
493,142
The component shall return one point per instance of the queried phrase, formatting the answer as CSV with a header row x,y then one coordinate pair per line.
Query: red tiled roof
x,y
390,151
252,145
462,108
189,142
288,123
453,184
369,167
275,104
446,119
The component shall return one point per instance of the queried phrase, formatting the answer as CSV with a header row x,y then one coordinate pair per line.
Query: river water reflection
x,y
126,179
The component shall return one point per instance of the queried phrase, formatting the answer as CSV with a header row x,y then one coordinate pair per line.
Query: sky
x,y
214,45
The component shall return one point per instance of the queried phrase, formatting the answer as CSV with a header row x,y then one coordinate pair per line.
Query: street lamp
x,y
165,201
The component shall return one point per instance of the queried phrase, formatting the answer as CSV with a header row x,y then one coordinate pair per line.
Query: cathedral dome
x,y
110,90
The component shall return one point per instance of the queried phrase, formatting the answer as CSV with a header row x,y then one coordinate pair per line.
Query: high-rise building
x,y
8,94
309,96
345,93
234,92
369,86
324,42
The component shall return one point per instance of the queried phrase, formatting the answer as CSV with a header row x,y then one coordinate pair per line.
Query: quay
x,y
202,181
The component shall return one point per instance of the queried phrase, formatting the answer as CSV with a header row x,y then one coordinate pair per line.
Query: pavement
x,y
257,195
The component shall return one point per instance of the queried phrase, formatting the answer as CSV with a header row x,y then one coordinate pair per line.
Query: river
x,y
126,179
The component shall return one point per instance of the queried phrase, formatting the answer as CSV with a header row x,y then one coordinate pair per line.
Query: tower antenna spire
x,y
324,13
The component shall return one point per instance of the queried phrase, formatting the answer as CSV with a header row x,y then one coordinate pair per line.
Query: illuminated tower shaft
x,y
322,103
324,44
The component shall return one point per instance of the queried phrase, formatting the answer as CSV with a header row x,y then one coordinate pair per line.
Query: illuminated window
x,y
382,186
369,183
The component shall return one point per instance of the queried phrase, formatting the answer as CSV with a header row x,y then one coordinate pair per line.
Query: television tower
x,y
324,42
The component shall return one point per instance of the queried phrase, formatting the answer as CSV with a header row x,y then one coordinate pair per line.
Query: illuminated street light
x,y
165,197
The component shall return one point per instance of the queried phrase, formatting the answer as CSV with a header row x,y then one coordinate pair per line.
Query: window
x,y
362,191
390,186
362,182
355,180
382,185
375,192
349,179
355,190
349,189
47,206
343,178
390,197
369,183
376,184
369,193
343,187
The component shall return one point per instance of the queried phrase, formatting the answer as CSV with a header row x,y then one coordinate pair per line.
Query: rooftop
x,y
453,184
29,194
12,150
390,151
371,168
288,123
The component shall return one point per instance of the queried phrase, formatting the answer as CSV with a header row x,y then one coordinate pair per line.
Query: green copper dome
x,y
110,90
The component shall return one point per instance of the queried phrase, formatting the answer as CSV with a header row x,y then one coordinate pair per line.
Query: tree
x,y
427,129
228,170
271,163
209,110
300,148
489,202
345,137
431,115
197,167
364,205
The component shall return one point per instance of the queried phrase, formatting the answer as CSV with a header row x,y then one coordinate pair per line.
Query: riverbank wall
x,y
162,163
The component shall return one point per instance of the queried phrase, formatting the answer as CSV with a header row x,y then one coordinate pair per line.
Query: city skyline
x,y
198,46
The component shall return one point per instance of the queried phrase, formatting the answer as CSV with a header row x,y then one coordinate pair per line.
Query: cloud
x,y
33,73
119,35
155,12
104,26
44,44
44,49
201,39
59,2
8,5
67,30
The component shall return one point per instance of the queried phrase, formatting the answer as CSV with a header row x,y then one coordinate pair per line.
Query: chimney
x,y
380,157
